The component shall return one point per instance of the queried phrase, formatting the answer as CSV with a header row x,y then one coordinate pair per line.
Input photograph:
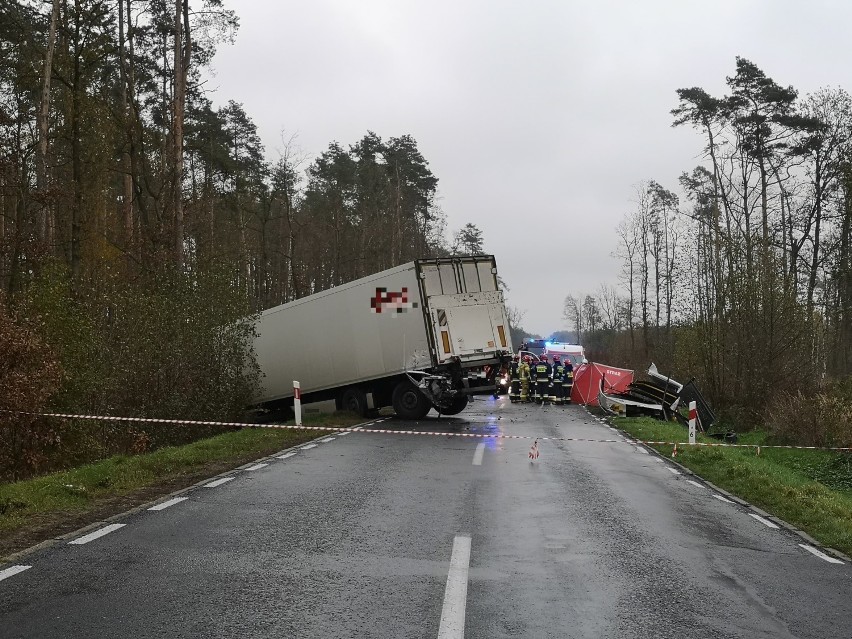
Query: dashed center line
x,y
287,456
168,503
218,482
455,594
308,446
642,450
673,471
724,499
762,520
327,439
256,467
821,554
345,434
477,455
11,571
694,483
85,539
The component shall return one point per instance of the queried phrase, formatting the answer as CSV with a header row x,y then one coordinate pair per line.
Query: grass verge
x,y
810,489
37,509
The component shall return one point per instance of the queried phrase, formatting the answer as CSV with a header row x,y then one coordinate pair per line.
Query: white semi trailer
x,y
415,337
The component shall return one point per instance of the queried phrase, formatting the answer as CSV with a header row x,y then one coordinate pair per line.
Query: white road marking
x,y
642,450
327,439
455,594
166,504
658,460
218,482
308,446
724,499
85,539
694,483
256,467
12,570
477,455
346,433
810,549
673,471
287,456
763,521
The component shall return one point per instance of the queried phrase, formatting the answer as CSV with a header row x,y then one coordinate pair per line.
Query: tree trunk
x,y
182,52
126,162
76,153
43,223
812,277
844,285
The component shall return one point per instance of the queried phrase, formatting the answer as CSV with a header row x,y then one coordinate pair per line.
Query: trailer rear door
x,y
468,316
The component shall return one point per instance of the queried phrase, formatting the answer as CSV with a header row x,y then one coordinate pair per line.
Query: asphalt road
x,y
383,535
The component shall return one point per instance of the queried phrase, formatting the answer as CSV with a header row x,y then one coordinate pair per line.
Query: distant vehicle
x,y
413,337
573,352
534,347
541,348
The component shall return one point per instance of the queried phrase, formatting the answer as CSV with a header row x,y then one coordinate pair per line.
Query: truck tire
x,y
456,406
409,402
354,400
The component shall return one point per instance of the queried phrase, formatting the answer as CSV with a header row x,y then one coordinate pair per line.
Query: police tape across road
x,y
397,431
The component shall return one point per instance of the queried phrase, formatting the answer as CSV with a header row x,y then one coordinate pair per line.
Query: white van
x,y
567,352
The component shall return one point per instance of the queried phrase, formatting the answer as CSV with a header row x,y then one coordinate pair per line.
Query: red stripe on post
x,y
297,393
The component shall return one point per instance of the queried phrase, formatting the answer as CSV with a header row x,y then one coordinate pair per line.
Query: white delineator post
x,y
693,415
297,402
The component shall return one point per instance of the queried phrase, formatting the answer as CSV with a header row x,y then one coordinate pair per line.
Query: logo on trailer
x,y
392,302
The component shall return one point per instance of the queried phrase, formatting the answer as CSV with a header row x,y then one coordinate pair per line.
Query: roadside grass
x,y
66,494
810,489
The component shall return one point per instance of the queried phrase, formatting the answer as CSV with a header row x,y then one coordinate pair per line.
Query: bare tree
x,y
627,250
573,314
610,307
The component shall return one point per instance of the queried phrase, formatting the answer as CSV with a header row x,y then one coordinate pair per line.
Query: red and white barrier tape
x,y
396,431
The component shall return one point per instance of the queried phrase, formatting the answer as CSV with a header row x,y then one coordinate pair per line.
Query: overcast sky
x,y
538,118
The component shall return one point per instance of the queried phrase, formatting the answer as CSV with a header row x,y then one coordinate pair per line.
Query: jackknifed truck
x,y
423,335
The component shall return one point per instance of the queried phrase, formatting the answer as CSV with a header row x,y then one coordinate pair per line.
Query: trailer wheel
x,y
409,402
458,404
354,400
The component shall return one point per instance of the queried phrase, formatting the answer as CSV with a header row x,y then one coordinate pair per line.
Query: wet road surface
x,y
388,535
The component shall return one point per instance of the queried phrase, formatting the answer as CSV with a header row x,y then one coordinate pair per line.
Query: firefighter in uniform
x,y
514,380
542,380
567,381
524,375
556,393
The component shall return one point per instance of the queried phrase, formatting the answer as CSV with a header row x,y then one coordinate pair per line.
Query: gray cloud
x,y
538,118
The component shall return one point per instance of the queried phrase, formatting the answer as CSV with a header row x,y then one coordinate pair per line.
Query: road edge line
x,y
742,502
53,541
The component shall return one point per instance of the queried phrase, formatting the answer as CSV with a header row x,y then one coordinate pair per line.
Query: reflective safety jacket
x,y
558,373
541,371
568,378
514,370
